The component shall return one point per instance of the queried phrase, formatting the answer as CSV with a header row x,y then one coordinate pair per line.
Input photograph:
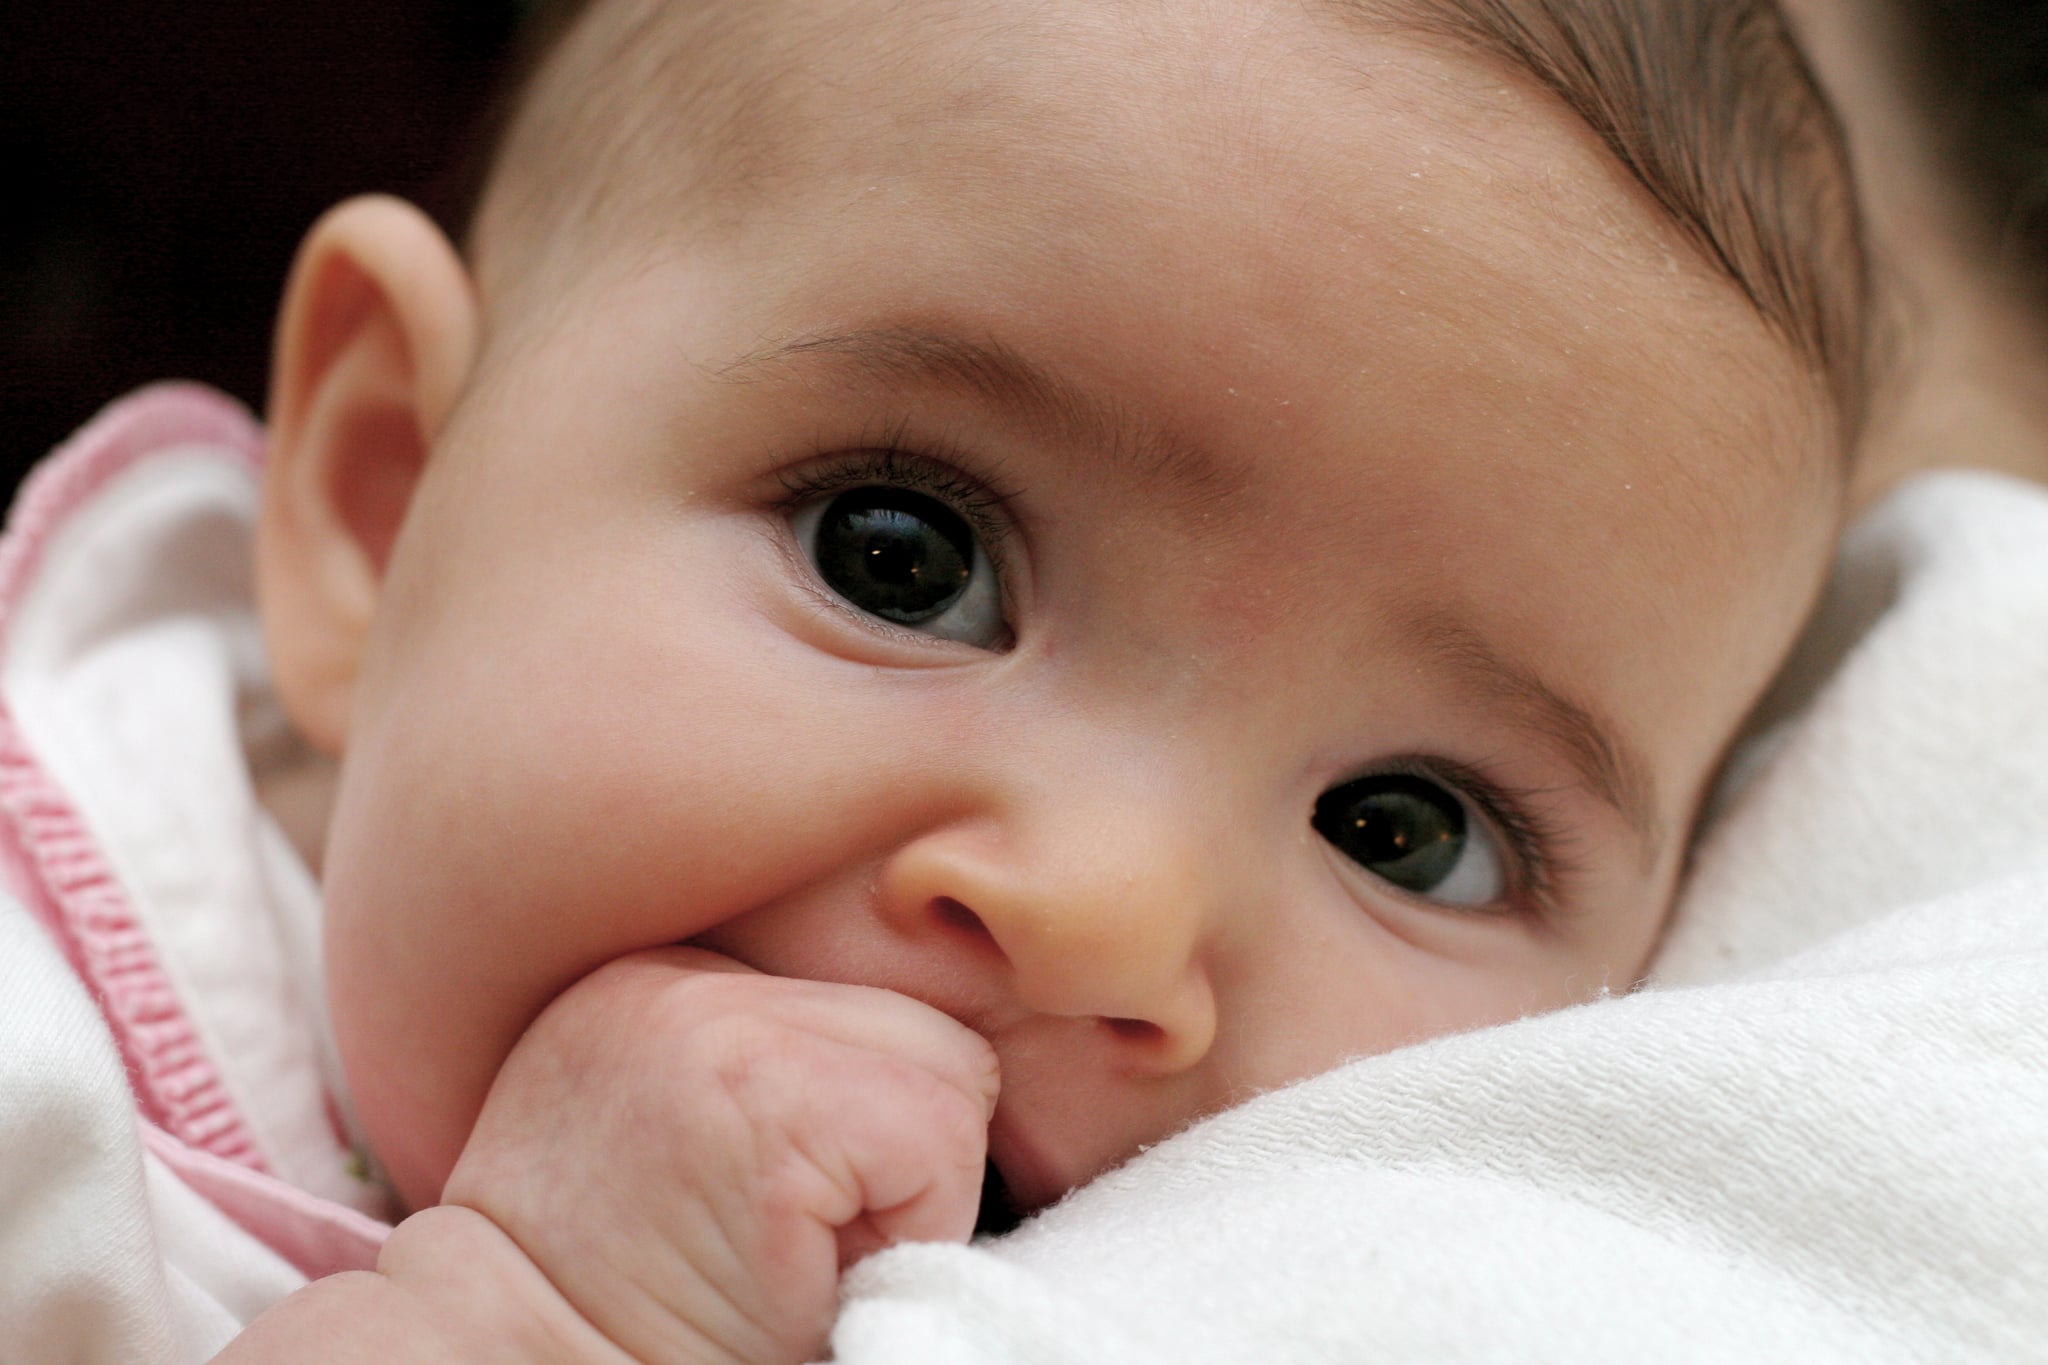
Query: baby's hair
x,y
1708,104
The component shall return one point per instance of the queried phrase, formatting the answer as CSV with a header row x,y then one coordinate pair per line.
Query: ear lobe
x,y
375,343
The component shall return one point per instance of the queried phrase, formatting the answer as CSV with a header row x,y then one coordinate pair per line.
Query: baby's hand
x,y
691,1151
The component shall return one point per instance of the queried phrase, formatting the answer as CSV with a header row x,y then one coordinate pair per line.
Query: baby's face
x,y
1199,582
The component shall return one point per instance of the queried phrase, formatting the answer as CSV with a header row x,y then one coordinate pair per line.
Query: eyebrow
x,y
1040,399
1604,761
1029,394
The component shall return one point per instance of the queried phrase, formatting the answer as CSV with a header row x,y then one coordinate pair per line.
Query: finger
x,y
907,1156
897,1026
858,1016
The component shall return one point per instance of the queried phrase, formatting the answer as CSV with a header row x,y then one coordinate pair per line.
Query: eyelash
x,y
1537,843
933,470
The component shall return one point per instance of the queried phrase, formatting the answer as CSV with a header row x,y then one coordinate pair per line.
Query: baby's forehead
x,y
689,116
1417,407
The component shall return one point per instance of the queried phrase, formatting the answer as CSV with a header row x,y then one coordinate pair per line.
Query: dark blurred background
x,y
1981,69
160,161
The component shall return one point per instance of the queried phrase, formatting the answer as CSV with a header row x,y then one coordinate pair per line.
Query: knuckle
x,y
622,977
983,1064
963,1125
712,992
935,1118
749,1059
792,1188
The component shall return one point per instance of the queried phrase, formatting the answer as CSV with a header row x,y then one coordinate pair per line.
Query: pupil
x,y
1405,829
893,553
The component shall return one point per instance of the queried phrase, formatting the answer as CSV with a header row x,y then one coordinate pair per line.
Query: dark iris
x,y
897,554
1405,829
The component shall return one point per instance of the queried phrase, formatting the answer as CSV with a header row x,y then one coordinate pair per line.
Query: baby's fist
x,y
691,1151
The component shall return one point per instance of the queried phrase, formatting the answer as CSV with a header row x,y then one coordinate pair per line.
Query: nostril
x,y
1134,1030
956,916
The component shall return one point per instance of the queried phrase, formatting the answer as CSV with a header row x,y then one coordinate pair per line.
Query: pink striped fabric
x,y
49,858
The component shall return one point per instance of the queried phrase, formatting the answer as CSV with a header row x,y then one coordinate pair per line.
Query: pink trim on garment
x,y
175,1083
315,1235
48,856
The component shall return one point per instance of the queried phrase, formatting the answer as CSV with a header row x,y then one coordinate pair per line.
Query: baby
x,y
950,587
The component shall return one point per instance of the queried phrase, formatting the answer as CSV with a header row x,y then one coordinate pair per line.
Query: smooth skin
x,y
1328,406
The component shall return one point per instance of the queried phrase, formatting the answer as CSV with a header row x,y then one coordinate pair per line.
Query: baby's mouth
x,y
999,1213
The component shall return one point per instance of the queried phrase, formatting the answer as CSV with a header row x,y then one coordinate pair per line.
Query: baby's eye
x,y
907,558
1414,833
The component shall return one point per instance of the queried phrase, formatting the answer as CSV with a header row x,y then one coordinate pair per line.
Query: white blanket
x,y
1822,1135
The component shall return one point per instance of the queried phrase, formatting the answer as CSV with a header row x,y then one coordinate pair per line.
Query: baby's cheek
x,y
428,996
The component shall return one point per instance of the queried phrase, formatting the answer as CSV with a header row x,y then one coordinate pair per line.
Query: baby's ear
x,y
375,343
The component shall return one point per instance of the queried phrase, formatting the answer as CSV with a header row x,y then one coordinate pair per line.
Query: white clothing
x,y
1822,1135
171,1157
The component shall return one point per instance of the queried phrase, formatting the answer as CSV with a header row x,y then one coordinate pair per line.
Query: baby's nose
x,y
1095,908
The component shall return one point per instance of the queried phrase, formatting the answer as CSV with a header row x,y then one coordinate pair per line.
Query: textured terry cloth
x,y
171,1156
1821,1135
1820,1139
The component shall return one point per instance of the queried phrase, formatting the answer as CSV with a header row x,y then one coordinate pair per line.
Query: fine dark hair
x,y
1708,104
1711,107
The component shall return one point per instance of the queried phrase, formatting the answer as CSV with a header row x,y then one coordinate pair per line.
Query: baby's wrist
x,y
449,1286
479,1296
471,1286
